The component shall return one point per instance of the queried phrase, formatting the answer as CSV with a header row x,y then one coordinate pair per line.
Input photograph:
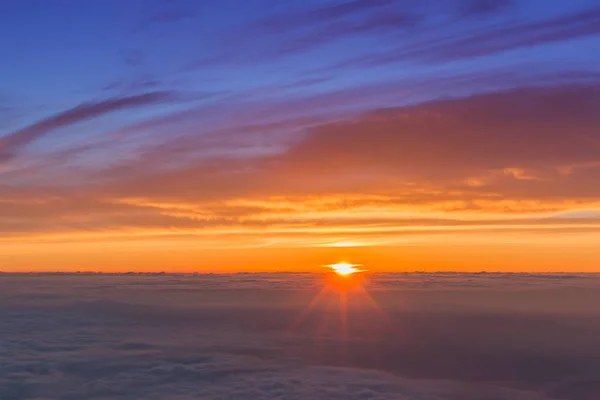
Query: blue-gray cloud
x,y
12,142
228,336
450,46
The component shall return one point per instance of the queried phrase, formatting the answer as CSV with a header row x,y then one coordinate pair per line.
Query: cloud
x,y
328,13
304,29
446,45
381,23
557,29
527,132
428,33
176,337
483,145
505,161
14,141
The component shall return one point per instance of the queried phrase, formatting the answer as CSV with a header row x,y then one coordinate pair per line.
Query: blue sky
x,y
63,53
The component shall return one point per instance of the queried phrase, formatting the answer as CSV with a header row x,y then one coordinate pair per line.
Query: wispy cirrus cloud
x,y
12,142
311,26
562,28
400,28
452,46
324,13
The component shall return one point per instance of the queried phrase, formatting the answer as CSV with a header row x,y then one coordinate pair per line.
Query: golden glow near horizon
x,y
303,234
345,244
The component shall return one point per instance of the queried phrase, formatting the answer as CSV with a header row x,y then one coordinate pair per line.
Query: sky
x,y
265,135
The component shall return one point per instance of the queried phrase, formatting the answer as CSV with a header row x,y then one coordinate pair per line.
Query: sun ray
x,y
342,288
344,318
325,323
308,309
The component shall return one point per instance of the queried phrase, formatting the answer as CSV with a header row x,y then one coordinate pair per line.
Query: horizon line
x,y
416,272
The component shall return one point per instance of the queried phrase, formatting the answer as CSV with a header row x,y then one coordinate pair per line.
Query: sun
x,y
345,269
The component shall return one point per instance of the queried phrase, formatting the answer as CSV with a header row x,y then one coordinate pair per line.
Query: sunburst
x,y
342,284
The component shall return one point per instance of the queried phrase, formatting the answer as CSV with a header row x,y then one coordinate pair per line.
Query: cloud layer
x,y
174,336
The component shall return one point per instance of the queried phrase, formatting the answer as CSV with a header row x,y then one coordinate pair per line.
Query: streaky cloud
x,y
10,144
446,46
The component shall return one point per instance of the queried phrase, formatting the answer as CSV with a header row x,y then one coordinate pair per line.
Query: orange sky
x,y
497,248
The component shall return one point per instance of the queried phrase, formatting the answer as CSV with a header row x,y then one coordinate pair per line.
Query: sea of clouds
x,y
423,336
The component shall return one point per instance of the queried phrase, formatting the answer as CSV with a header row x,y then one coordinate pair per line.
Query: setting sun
x,y
345,268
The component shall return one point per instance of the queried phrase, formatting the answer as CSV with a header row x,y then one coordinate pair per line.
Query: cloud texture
x,y
173,336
